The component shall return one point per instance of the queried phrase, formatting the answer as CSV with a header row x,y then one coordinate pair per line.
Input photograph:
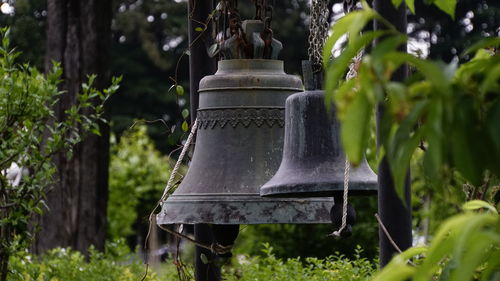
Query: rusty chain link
x,y
318,32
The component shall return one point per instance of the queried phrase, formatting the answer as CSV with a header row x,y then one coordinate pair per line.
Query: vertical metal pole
x,y
200,65
395,215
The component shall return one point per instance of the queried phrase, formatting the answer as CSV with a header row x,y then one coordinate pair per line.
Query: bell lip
x,y
311,190
193,209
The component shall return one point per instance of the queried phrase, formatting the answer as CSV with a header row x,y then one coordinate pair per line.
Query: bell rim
x,y
316,190
253,210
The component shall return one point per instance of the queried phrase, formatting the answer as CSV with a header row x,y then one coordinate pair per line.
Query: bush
x,y
116,264
31,134
138,174
466,247
269,267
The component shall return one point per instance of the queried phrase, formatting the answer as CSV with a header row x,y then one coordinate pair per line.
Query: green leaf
x,y
492,265
204,259
199,29
403,145
492,121
447,6
355,128
185,113
472,246
411,5
185,126
179,90
478,204
484,43
338,67
213,50
388,44
398,269
465,135
351,23
432,71
397,3
491,83
441,246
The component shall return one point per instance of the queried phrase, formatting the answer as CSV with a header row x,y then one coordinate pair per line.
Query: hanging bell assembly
x,y
239,146
313,163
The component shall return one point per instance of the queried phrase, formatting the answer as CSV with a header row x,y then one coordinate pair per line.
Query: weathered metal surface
x,y
313,162
238,148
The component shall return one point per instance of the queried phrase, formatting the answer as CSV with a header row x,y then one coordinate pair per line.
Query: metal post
x,y
394,214
200,65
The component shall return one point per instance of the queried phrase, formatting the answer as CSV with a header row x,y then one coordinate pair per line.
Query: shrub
x,y
115,264
465,247
138,174
269,267
31,133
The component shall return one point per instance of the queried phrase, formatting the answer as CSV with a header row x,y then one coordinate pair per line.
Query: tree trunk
x,y
79,37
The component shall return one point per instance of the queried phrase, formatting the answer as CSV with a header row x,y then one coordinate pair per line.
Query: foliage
x,y
138,173
443,110
436,104
466,247
28,24
115,264
448,37
30,135
270,267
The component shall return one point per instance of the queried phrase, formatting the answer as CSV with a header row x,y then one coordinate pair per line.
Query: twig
x,y
390,238
6,206
142,121
387,234
215,247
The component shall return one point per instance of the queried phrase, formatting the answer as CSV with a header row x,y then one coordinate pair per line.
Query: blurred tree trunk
x,y
78,36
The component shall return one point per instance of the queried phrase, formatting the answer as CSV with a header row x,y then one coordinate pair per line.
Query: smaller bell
x,y
313,162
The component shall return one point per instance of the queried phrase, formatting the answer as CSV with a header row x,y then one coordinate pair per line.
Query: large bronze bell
x,y
313,162
238,148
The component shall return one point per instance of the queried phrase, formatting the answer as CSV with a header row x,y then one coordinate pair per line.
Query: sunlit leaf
x,y
478,204
447,6
464,135
179,90
185,126
355,128
338,67
185,113
488,42
351,23
411,5
396,3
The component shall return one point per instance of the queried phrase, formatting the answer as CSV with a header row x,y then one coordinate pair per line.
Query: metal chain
x,y
353,67
234,17
318,32
259,9
268,14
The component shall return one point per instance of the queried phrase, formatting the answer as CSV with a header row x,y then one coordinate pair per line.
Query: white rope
x,y
353,72
344,206
179,161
